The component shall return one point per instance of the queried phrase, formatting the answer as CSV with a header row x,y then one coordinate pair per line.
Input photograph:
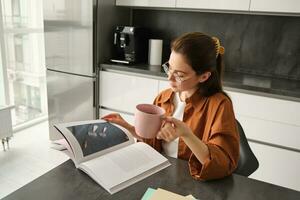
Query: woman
x,y
202,129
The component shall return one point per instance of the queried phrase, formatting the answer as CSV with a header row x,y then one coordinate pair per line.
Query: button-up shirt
x,y
212,120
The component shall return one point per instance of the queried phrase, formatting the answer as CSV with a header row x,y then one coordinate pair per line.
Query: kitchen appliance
x,y
76,33
130,45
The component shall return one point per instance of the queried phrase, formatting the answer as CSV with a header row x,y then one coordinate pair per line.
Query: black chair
x,y
247,162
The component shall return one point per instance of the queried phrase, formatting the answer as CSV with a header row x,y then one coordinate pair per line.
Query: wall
x,y
254,44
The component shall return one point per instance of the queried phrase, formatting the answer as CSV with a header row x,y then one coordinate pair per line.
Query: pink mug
x,y
148,120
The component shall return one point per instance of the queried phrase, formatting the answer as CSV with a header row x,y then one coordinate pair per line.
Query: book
x,y
109,154
153,194
148,194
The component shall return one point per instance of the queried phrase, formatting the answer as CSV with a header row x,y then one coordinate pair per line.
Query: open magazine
x,y
108,153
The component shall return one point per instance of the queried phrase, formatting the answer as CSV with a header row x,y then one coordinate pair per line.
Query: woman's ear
x,y
203,77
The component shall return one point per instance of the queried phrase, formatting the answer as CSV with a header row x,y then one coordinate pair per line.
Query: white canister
x,y
155,52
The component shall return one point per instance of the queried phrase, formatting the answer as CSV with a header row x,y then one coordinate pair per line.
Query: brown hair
x,y
200,52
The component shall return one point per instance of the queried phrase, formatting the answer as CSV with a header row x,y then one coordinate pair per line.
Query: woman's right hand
x,y
118,119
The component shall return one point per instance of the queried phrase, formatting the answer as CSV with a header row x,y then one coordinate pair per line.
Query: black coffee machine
x,y
130,45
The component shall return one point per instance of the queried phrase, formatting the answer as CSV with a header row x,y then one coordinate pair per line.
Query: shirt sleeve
x,y
223,145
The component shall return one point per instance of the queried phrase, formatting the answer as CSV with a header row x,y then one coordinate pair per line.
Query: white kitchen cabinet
x,y
267,122
263,6
162,85
123,92
272,109
286,6
147,3
277,133
277,166
239,5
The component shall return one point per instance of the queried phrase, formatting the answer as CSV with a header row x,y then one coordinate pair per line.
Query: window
x,y
24,63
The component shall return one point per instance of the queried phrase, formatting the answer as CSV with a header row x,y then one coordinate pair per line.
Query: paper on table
x,y
166,195
150,191
190,197
60,145
148,194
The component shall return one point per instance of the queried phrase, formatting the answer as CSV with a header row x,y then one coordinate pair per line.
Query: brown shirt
x,y
212,120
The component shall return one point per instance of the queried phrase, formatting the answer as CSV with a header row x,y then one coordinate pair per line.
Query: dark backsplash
x,y
254,44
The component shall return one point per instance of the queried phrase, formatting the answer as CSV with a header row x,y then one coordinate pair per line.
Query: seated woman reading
x,y
199,125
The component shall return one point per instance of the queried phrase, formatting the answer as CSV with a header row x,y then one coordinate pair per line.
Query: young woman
x,y
200,124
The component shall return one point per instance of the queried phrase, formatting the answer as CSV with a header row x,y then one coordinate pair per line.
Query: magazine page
x,y
119,169
91,139
65,147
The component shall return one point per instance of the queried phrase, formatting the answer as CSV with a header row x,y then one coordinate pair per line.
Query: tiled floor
x,y
29,157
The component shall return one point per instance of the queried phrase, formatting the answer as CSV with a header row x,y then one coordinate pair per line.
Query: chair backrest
x,y
248,163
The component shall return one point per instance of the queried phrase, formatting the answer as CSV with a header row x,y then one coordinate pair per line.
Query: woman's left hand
x,y
172,129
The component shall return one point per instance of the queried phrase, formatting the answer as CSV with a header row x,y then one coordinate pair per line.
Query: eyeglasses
x,y
166,68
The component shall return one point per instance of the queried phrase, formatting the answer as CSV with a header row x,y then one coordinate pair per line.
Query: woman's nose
x,y
171,76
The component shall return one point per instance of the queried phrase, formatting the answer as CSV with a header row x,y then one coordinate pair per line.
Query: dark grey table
x,y
66,182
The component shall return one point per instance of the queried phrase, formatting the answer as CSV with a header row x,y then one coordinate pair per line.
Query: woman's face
x,y
189,79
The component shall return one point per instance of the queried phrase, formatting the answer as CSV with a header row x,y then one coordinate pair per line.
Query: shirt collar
x,y
195,100
167,96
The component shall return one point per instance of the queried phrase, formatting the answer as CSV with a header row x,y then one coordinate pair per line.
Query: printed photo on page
x,y
96,137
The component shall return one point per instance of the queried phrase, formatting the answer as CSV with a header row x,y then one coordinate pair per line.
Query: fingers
x,y
111,115
167,133
172,120
168,137
116,119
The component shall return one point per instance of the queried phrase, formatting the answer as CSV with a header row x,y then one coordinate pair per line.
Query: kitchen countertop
x,y
235,81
